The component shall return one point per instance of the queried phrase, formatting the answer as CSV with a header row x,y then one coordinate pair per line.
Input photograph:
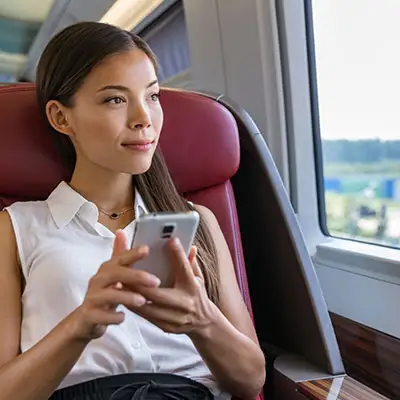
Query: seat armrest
x,y
289,370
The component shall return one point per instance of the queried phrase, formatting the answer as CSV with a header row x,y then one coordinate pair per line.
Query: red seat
x,y
199,142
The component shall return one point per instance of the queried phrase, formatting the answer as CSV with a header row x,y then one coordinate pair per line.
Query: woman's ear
x,y
57,116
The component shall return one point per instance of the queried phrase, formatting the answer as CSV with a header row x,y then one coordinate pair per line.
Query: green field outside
x,y
343,215
385,169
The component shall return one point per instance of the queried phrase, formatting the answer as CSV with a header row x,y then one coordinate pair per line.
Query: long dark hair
x,y
65,63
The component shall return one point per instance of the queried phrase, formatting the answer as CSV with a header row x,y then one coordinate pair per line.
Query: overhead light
x,y
128,13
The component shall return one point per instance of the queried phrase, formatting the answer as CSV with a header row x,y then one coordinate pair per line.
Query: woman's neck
x,y
112,192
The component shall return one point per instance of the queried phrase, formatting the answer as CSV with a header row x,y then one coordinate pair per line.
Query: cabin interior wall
x,y
242,63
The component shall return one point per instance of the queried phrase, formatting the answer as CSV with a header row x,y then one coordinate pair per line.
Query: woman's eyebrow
x,y
125,88
115,87
152,83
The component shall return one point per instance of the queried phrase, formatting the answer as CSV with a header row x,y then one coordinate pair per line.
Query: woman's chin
x,y
139,168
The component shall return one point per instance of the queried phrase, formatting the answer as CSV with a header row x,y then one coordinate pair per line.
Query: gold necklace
x,y
115,215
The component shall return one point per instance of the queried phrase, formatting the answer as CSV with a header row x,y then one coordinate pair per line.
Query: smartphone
x,y
155,230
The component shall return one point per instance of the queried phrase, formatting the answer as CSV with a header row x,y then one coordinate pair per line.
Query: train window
x,y
357,78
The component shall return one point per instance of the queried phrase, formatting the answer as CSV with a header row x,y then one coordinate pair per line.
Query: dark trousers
x,y
136,387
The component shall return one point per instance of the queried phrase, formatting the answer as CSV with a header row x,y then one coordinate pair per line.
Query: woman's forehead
x,y
133,69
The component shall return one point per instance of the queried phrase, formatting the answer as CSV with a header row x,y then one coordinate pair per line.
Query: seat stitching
x,y
240,262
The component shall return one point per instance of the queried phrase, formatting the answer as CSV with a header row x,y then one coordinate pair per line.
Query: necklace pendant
x,y
114,216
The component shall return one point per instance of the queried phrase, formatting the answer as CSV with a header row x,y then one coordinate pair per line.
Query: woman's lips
x,y
139,146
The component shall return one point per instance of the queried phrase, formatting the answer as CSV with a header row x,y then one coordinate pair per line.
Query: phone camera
x,y
167,231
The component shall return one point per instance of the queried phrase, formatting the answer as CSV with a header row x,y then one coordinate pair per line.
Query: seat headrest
x,y
199,141
29,165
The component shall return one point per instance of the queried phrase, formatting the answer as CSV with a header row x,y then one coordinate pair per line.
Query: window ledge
x,y
376,262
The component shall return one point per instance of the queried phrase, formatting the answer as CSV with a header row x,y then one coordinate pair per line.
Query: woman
x,y
77,321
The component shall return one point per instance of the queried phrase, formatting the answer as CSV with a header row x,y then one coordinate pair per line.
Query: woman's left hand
x,y
186,307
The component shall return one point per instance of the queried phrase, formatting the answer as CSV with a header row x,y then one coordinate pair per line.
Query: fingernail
x,y
155,281
175,242
138,300
143,249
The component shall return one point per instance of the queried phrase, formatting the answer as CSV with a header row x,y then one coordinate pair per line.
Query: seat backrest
x,y
199,142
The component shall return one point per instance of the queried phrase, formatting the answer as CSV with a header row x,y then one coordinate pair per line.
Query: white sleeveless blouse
x,y
61,246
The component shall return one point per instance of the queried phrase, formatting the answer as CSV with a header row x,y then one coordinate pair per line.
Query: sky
x,y
357,45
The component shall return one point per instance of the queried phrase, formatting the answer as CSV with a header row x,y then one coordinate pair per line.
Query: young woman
x,y
77,322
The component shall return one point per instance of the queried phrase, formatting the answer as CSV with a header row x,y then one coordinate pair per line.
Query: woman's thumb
x,y
192,254
120,243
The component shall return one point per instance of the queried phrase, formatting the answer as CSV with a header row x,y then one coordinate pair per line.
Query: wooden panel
x,y
369,356
337,389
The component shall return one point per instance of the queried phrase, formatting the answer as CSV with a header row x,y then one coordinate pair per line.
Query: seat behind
x,y
199,142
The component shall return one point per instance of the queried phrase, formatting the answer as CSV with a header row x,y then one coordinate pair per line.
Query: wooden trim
x,y
344,388
369,356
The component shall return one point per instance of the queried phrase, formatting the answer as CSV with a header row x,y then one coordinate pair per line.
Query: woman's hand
x,y
184,308
115,283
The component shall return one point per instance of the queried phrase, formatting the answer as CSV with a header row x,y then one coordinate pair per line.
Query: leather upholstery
x,y
29,166
199,142
221,201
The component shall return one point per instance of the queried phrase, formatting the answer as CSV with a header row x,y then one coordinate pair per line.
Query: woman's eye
x,y
155,96
114,100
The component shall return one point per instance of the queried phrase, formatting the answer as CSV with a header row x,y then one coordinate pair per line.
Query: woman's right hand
x,y
115,283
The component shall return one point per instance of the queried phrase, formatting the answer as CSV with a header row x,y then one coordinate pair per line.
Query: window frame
x,y
315,117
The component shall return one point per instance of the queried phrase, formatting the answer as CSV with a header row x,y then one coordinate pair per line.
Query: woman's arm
x,y
229,345
35,374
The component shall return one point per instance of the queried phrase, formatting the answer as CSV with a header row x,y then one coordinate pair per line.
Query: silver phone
x,y
155,230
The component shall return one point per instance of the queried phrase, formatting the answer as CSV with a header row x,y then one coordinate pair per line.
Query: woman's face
x,y
116,118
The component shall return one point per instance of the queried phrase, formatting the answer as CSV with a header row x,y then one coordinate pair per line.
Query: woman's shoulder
x,y
25,206
205,212
21,224
25,213
7,237
208,216
5,223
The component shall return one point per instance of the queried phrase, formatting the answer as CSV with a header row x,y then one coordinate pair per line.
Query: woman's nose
x,y
140,118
